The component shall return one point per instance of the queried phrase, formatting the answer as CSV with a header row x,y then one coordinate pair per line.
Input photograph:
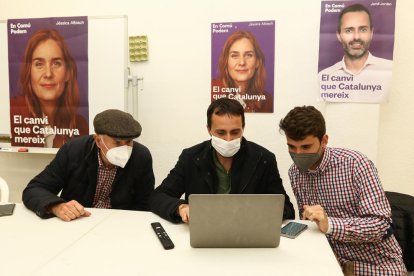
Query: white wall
x,y
176,91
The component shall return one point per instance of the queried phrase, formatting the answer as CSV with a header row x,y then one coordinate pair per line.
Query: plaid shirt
x,y
105,179
347,186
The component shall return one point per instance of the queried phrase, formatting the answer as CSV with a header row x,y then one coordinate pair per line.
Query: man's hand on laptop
x,y
183,211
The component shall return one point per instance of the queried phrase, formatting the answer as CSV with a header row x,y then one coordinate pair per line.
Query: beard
x,y
355,54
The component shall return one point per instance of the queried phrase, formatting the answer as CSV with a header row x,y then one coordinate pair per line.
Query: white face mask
x,y
118,156
225,148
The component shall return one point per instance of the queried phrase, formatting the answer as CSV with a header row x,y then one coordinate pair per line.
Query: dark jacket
x,y
254,171
402,209
73,172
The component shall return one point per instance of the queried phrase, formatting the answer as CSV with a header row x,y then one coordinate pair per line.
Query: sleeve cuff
x,y
175,217
329,231
336,228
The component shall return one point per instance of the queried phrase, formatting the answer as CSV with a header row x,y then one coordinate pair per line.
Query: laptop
x,y
235,220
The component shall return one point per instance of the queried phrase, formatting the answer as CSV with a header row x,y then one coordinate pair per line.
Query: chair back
x,y
4,191
402,209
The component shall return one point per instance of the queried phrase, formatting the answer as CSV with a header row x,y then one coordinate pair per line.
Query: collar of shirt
x,y
224,177
102,165
370,60
324,163
100,162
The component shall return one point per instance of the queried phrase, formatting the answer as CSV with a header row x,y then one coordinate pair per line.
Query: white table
x,y
117,242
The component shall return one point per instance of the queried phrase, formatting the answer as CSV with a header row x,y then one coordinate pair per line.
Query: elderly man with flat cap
x,y
104,170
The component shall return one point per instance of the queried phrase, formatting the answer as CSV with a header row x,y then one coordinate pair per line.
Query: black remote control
x,y
162,235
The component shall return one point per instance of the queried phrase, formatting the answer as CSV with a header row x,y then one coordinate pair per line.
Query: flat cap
x,y
117,124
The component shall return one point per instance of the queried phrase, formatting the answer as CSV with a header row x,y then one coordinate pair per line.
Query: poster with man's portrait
x,y
48,80
242,63
356,50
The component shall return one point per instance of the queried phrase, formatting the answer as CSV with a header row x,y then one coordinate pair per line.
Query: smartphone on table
x,y
293,229
7,209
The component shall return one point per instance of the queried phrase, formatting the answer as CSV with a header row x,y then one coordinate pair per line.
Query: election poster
x,y
356,51
48,80
242,63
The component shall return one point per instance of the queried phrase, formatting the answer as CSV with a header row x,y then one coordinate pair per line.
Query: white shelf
x,y
7,148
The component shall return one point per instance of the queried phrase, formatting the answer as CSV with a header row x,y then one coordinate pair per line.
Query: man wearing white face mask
x,y
227,163
339,189
104,170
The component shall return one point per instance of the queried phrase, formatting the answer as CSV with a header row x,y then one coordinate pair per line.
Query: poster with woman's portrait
x,y
356,50
48,80
242,63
